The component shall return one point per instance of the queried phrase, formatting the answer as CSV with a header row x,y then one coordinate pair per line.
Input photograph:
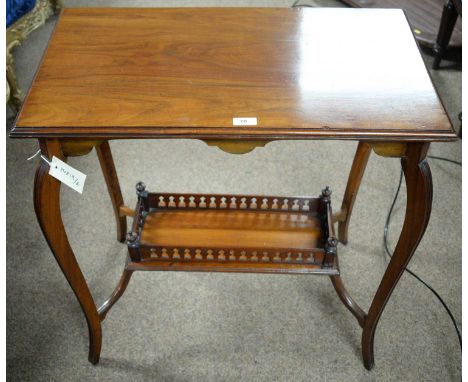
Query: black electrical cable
x,y
445,159
387,223
296,5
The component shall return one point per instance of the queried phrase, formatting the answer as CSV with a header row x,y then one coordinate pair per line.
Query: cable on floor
x,y
444,159
297,5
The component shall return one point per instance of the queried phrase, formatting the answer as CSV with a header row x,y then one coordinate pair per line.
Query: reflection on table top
x,y
187,72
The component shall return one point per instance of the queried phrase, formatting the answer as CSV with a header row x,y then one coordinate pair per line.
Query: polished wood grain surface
x,y
303,73
232,229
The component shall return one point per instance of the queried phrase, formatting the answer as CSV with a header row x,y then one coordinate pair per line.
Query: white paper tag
x,y
67,174
245,121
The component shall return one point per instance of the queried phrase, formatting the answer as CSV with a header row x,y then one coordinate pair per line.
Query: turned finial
x,y
331,244
326,193
131,237
140,187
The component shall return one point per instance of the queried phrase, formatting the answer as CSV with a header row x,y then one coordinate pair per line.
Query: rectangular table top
x,y
305,73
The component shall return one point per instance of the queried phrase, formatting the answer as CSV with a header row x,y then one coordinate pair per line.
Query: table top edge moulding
x,y
126,76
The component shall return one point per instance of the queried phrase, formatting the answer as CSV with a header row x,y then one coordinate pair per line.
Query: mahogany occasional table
x,y
238,79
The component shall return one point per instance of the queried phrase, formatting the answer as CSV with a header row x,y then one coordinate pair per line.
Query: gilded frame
x,y
15,35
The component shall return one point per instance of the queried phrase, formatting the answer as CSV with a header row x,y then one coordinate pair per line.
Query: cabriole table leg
x,y
418,209
47,207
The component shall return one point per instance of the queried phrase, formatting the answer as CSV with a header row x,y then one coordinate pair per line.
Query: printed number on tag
x,y
66,174
245,121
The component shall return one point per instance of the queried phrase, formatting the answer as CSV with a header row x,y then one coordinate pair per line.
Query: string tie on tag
x,y
42,156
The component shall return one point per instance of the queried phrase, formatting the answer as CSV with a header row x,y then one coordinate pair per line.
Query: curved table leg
x,y
47,207
112,182
418,209
116,294
354,181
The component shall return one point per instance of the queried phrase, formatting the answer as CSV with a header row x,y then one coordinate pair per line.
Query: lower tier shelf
x,y
232,233
237,267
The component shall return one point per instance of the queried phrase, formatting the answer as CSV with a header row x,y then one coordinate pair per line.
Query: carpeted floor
x,y
230,327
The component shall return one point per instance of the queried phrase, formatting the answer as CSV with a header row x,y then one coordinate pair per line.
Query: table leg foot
x,y
47,207
418,209
110,175
95,347
354,181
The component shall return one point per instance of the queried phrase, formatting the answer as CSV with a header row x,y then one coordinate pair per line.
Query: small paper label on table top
x,y
244,121
67,174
